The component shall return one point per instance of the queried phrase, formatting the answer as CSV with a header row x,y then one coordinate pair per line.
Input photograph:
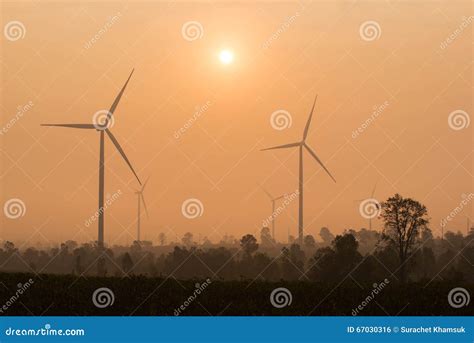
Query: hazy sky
x,y
68,60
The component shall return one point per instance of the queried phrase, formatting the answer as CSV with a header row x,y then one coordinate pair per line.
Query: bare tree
x,y
405,220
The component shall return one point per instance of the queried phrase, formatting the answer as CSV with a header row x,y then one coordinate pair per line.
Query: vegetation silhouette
x,y
335,272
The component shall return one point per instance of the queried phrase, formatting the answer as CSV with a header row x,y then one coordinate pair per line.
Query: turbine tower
x,y
301,146
273,200
103,128
141,199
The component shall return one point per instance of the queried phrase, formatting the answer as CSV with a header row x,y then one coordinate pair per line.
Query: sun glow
x,y
226,56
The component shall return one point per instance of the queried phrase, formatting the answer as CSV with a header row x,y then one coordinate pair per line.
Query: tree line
x,y
404,250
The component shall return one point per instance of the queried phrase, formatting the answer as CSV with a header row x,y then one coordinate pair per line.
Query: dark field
x,y
69,295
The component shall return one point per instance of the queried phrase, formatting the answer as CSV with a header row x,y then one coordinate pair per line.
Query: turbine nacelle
x,y
141,198
101,127
104,126
302,144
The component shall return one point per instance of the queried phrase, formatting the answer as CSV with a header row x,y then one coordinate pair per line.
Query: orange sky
x,y
285,53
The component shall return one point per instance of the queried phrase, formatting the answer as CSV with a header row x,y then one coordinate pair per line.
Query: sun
x,y
226,56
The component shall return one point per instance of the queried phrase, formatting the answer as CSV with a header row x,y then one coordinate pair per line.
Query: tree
x,y
297,257
309,242
455,240
9,247
127,263
228,240
345,244
266,237
291,261
71,245
367,239
187,239
162,238
322,266
206,242
101,267
78,268
326,235
291,239
405,220
249,244
333,264
427,238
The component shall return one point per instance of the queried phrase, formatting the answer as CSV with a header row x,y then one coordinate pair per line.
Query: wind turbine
x,y
140,199
375,203
103,129
273,200
302,145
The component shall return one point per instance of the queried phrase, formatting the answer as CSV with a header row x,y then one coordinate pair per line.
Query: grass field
x,y
70,295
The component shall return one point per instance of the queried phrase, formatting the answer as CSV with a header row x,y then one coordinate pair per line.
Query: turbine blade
x,y
283,146
119,148
74,126
319,161
144,204
267,193
117,99
306,129
146,181
280,197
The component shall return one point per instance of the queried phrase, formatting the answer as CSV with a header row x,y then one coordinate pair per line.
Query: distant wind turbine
x,y
302,145
103,128
273,200
376,204
141,199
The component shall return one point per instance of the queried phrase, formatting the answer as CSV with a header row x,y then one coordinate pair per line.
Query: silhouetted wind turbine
x,y
141,199
302,145
103,128
273,200
376,204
